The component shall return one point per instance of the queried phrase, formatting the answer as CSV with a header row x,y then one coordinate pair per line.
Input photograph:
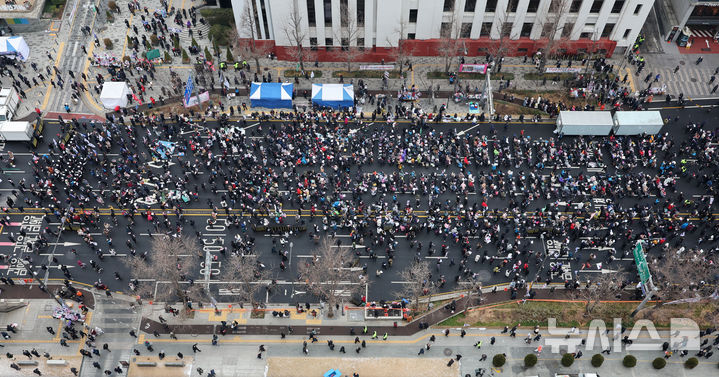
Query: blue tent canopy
x,y
333,95
272,95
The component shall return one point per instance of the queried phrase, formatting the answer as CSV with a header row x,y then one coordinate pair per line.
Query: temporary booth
x,y
14,47
584,123
272,95
333,95
114,94
637,122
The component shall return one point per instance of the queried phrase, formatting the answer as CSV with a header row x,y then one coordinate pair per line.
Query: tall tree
x,y
418,282
684,276
401,51
554,30
249,49
246,278
164,275
328,274
348,36
449,41
296,35
601,287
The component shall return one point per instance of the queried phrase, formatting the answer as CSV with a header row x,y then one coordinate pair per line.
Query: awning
x,y
152,54
333,95
114,94
271,95
14,47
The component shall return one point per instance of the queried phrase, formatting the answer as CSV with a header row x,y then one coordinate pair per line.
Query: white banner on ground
x,y
563,70
194,100
377,67
473,68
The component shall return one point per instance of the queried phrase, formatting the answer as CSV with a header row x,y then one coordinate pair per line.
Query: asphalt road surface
x,y
567,257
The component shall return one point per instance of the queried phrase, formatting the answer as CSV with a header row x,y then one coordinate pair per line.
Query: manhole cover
x,y
682,62
447,352
693,79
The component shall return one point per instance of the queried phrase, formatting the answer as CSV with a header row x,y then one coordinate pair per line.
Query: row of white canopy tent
x,y
114,95
14,47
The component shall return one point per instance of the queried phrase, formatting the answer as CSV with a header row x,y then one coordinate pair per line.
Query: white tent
x,y
14,47
114,94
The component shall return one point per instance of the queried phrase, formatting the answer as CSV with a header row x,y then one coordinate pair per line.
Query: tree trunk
x,y
257,65
301,58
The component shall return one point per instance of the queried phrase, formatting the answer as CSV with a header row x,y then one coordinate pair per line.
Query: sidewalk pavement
x,y
207,320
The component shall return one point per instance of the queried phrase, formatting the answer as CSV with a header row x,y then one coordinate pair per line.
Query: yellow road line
x,y
52,78
86,71
631,79
127,32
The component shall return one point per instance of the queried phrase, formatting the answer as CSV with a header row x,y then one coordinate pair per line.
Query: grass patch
x,y
364,74
54,7
293,73
470,76
572,314
548,76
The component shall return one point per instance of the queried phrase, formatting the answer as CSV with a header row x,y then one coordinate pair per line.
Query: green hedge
x,y
530,360
659,363
629,361
567,360
691,362
498,360
548,76
364,74
597,360
54,7
222,16
470,75
293,73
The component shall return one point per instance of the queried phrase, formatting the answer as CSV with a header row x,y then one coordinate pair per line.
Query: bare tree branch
x,y
401,51
328,274
296,35
418,278
449,41
349,33
601,287
247,279
165,265
683,275
248,49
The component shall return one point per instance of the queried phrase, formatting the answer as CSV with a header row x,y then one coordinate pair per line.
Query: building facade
x,y
693,18
377,26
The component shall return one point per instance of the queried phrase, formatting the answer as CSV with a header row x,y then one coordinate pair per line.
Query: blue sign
x,y
189,88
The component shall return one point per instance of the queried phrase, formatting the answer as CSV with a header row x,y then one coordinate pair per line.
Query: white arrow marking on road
x,y
460,133
297,293
198,129
157,166
147,182
65,244
603,271
55,267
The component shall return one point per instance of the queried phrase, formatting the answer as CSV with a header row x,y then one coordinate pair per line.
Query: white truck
x,y
16,131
